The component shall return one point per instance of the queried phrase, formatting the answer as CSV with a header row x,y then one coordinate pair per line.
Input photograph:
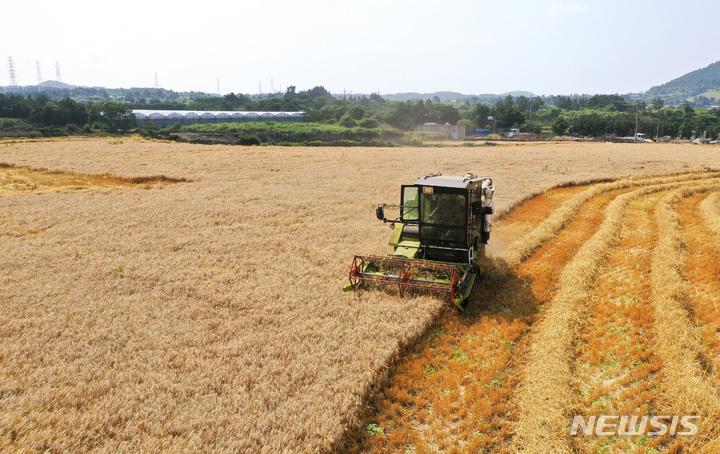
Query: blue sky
x,y
544,46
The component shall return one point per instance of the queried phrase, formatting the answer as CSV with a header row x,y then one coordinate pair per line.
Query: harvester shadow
x,y
500,296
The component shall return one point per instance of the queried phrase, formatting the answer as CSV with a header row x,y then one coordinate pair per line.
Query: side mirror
x,y
380,212
478,209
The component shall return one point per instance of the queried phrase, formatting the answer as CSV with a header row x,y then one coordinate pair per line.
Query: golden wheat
x,y
207,315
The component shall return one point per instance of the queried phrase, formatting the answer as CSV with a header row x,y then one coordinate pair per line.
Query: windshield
x,y
444,209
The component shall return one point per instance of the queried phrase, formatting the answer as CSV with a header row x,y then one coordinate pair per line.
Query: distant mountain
x,y
55,84
55,91
518,93
450,96
444,96
691,84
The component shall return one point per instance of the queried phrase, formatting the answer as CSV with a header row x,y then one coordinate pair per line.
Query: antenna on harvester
x,y
157,84
57,71
11,67
39,74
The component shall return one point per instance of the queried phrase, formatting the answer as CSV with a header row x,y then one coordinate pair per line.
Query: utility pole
x,y
531,105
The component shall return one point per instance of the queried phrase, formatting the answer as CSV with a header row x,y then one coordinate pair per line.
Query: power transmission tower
x,y
157,85
57,71
39,74
218,85
11,66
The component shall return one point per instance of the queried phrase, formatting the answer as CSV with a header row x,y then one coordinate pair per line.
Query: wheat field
x,y
174,297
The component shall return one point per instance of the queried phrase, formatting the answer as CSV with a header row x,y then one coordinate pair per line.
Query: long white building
x,y
163,118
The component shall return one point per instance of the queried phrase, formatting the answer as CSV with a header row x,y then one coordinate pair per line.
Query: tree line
x,y
598,115
68,114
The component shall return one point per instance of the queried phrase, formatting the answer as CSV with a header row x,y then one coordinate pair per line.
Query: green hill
x,y
693,83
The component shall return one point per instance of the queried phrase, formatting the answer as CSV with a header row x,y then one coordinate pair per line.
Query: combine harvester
x,y
443,225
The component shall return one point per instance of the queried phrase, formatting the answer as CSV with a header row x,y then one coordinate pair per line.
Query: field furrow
x,y
546,396
702,271
616,367
690,390
710,211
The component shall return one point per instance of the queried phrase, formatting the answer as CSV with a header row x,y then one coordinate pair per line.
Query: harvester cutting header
x,y
443,225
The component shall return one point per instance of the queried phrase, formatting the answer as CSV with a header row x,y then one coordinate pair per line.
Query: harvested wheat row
x,y
710,211
690,389
521,249
546,396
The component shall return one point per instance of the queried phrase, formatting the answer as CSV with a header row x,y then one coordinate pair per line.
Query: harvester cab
x,y
442,225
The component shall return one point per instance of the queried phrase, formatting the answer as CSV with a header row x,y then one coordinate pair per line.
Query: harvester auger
x,y
443,225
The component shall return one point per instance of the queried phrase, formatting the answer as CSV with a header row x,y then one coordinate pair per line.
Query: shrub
x,y
51,131
347,121
245,139
344,143
532,127
201,141
370,123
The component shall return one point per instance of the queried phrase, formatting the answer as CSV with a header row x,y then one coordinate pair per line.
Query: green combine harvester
x,y
443,225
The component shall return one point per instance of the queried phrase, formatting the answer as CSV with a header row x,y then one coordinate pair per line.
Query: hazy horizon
x,y
471,47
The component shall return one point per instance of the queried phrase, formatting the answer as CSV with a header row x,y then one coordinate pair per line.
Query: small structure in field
x,y
454,132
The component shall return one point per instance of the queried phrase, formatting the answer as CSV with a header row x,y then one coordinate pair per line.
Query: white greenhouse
x,y
163,118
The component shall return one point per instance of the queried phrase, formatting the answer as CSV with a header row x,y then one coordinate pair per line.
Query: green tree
x,y
116,115
318,91
479,115
356,112
509,117
559,126
658,103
